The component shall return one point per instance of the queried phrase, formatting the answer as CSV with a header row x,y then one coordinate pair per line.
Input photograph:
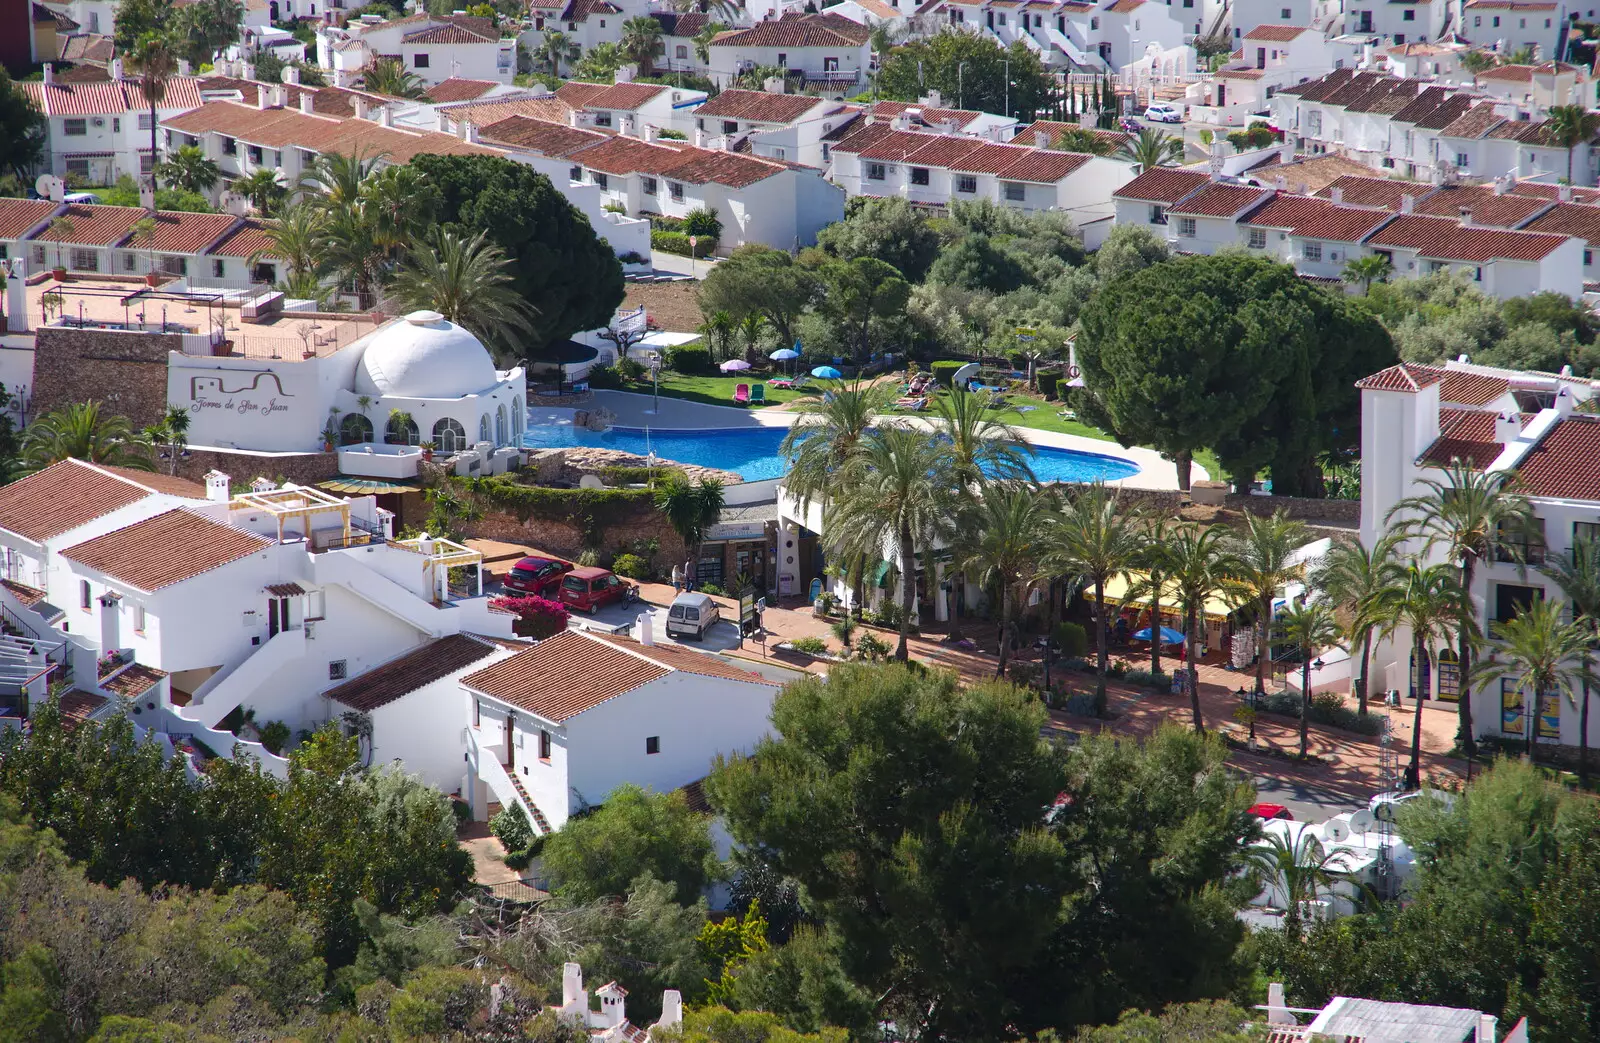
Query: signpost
x,y
694,241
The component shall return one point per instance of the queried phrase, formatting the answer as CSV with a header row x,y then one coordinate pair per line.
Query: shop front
x,y
742,547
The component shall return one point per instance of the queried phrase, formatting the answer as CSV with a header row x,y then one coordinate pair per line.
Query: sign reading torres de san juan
x,y
255,396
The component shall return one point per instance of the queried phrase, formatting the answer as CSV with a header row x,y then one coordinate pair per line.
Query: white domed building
x,y
415,380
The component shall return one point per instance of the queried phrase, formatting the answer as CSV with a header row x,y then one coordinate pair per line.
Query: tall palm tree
x,y
296,239
263,187
1301,869
690,508
1197,565
1006,529
155,58
717,329
751,329
1425,600
600,62
393,200
1577,573
1367,270
1263,563
1084,140
894,490
1309,625
1467,515
334,180
189,169
641,42
827,434
1095,541
466,281
1356,579
176,423
1154,148
554,48
80,431
1543,654
1570,126
1150,586
388,76
984,445
353,253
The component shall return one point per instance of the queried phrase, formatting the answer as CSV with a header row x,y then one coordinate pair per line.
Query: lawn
x,y
713,391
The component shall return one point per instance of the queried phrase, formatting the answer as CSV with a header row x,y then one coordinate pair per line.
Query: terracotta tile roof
x,y
1514,73
1531,132
246,241
458,88
565,675
450,34
621,96
1539,190
1125,6
937,150
1582,222
685,24
1502,211
86,47
1425,102
1028,135
1402,377
621,155
325,101
21,216
1316,90
43,15
885,110
62,497
837,22
291,128
1445,112
77,706
108,98
758,106
95,225
1162,185
1467,388
1317,172
483,113
541,136
857,135
1279,33
1444,239
188,233
166,549
896,145
988,158
583,10
1375,191
85,73
155,481
802,31
577,93
1508,5
1312,218
1466,435
694,793
28,596
1566,462
1043,166
384,684
1474,123
134,681
1241,74
1219,200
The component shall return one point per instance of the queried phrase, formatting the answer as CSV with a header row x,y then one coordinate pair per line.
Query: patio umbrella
x,y
826,373
734,365
1169,636
784,355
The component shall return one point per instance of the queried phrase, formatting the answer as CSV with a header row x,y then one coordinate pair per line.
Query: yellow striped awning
x,y
1216,606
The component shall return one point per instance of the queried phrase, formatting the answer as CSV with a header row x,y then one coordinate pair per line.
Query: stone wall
x,y
1341,513
299,468
565,540
127,372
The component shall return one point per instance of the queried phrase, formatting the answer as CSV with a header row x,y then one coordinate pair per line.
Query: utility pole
x,y
961,90
1007,63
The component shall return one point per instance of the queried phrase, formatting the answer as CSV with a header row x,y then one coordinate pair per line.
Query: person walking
x,y
677,579
688,574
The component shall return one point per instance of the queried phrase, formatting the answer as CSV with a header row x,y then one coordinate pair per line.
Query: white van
x,y
692,614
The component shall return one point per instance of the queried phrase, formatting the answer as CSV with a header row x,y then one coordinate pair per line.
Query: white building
x,y
610,1023
1512,25
556,728
1425,61
828,53
1274,57
1539,87
100,131
1083,36
792,128
1409,21
434,47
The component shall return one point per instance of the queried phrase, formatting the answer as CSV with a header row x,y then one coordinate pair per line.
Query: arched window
x,y
402,430
483,428
449,435
354,429
517,417
500,436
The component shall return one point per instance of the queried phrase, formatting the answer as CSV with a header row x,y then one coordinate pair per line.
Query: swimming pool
x,y
753,452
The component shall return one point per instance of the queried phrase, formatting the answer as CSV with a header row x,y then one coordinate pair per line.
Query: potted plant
x,y
52,302
400,427
427,449
60,228
144,231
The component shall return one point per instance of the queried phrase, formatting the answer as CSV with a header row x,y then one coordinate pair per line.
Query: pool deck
x,y
635,410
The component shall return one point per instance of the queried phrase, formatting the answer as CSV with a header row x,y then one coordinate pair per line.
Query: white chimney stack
x,y
624,74
360,105
1564,193
699,138
572,987
291,74
651,132
1507,428
1041,138
1564,401
1466,216
216,487
50,71
672,1010
307,102
116,70
16,294
1407,203
775,85
385,116
1336,195
625,125
646,635
184,68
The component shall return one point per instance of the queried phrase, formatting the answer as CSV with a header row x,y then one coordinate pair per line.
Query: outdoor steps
x,y
538,816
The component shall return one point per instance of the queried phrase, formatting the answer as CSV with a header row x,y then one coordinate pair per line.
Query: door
x,y
991,19
1222,95
511,745
277,616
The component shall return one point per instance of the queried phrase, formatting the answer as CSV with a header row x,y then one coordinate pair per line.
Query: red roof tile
x,y
166,549
187,233
1053,129
109,98
758,106
939,150
1375,191
77,706
451,34
895,145
1566,462
134,681
400,676
1572,219
94,225
1441,238
286,128
62,497
458,88
1044,166
990,159
1471,389
541,136
246,241
1162,185
1312,218
1219,200
1501,211
1402,377
621,96
1466,435
1279,33
804,31
21,216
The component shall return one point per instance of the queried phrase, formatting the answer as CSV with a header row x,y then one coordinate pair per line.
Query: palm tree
x,y
1570,126
600,63
466,281
263,187
1466,515
189,169
1154,148
394,201
1196,566
828,433
156,60
554,48
1543,654
353,253
1263,563
1082,139
1577,573
1356,580
893,490
1094,541
388,76
641,42
176,424
304,286
1310,626
690,507
1151,585
1006,530
751,329
702,40
984,445
1367,270
80,431
1300,869
297,239
1427,601
717,329
334,180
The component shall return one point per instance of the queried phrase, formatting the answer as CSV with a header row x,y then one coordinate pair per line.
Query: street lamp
x,y
1249,698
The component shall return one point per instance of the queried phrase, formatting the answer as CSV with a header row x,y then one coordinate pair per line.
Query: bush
x,y
1327,708
888,617
809,645
712,588
843,629
869,647
1146,679
537,617
604,378
668,134
1048,379
690,360
275,736
631,566
632,257
678,243
1072,639
631,369
703,222
512,827
945,371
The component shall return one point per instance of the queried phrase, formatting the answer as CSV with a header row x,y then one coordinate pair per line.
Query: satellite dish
x,y
50,187
1362,821
591,481
1337,828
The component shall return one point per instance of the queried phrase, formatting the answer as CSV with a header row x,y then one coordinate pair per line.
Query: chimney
x,y
1564,401
775,85
646,636
730,142
1466,216
1502,184
1280,183
1564,193
263,97
360,104
469,132
1486,1032
50,70
934,100
572,118
571,985
1041,138
672,1010
280,96
612,1004
900,122
216,487
699,138
1507,428
291,74
949,127
1336,195
1408,202
624,74
16,295
247,70
538,90
625,126
116,70
308,102
385,116
184,68
651,132
1277,1006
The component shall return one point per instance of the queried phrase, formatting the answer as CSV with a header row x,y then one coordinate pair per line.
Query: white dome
x,y
425,356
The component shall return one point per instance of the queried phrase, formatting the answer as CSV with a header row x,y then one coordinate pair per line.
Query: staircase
x,y
533,809
218,696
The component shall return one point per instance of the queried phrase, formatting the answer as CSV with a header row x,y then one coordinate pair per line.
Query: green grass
x,y
713,391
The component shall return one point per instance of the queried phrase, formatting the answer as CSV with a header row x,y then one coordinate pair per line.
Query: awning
x,y
1117,592
367,486
880,574
286,590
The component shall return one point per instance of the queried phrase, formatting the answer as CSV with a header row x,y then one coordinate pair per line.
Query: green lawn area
x,y
714,391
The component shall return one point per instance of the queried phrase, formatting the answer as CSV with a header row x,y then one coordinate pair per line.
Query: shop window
x,y
1449,675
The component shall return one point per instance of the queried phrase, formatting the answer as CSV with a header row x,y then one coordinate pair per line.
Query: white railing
x,y
491,771
212,704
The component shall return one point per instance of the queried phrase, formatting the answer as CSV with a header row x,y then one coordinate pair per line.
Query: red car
x,y
588,589
1270,811
539,576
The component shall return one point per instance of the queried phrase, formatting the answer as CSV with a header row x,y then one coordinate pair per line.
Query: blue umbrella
x,y
1169,636
784,355
826,373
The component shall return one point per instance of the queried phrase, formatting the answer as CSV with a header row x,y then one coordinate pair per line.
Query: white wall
x,y
423,729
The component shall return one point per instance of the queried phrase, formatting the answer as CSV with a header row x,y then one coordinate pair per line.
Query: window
x,y
1494,22
1520,545
1186,227
1461,159
146,163
1158,215
144,121
783,60
680,52
1522,23
38,256
78,166
1283,12
1258,238
1588,258
85,599
1094,25
230,147
116,127
1311,251
1477,274
85,260
175,265
602,119
449,435
730,126
264,272
338,669
648,185
830,65
354,429
1510,599
919,175
1015,192
544,745
1477,20
675,190
1002,18
219,268
401,431
598,178
652,744
419,60
875,172
1408,15
1449,676
1585,531
575,174
477,714
967,184
74,128
253,154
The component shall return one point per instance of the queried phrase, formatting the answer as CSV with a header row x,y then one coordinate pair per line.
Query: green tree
x,y
555,47
81,431
263,188
1004,535
690,507
702,39
1195,566
886,229
154,56
1542,654
189,169
23,129
1309,627
1577,572
1095,540
1427,601
1085,140
983,444
641,42
1263,563
1298,868
568,274
1570,126
862,295
648,942
468,282
1203,1022
1367,270
1357,578
1468,515
388,76
721,1025
828,433
975,263
1154,148
600,63
759,280
206,27
296,239
970,70
633,833
804,983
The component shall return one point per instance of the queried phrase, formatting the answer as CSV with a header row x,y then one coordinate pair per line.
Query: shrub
x,y
888,617
668,134
632,566
809,645
615,208
678,243
843,629
1146,679
712,588
702,221
1048,379
512,827
537,617
869,647
632,257
690,360
1073,639
588,559
945,371
631,369
1118,669
604,378
275,736
1327,708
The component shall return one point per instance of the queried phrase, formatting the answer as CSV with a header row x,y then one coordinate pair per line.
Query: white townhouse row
x,y
1416,129
99,131
620,107
1085,36
433,47
1486,234
1270,58
827,53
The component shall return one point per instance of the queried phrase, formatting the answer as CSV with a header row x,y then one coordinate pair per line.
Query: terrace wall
x,y
126,372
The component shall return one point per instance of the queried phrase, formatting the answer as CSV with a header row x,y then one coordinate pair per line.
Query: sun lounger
x,y
741,394
758,393
781,382
914,403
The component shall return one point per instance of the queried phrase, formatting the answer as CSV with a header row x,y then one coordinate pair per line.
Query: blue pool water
x,y
753,452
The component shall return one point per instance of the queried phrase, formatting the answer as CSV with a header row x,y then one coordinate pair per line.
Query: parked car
x,y
80,197
1161,112
1270,811
1385,805
588,589
692,614
1129,125
539,576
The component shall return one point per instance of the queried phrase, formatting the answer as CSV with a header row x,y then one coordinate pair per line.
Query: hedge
x,y
678,243
1327,708
690,360
1048,379
944,372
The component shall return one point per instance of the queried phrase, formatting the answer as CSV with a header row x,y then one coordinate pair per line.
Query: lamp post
x,y
961,90
1249,699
